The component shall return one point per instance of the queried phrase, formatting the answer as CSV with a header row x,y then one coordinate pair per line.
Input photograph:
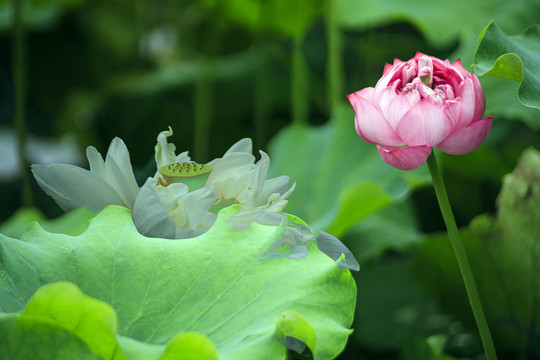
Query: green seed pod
x,y
192,174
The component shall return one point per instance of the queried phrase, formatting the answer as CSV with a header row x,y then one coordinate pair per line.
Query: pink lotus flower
x,y
418,104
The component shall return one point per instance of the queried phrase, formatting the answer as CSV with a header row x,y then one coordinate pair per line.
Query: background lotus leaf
x,y
514,57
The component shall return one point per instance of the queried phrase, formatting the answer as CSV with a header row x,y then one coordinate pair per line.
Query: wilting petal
x,y
372,123
467,139
424,124
149,216
73,187
164,152
277,185
405,158
244,145
334,248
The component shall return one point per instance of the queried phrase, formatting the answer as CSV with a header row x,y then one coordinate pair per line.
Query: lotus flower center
x,y
192,174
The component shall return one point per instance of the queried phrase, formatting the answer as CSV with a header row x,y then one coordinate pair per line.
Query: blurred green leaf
x,y
512,57
37,14
393,228
441,23
179,73
504,251
393,307
429,348
284,17
223,285
340,178
72,223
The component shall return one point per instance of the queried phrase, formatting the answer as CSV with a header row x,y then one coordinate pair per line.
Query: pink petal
x,y
383,97
468,101
366,93
459,67
452,108
480,105
424,124
395,110
387,66
404,158
371,125
467,139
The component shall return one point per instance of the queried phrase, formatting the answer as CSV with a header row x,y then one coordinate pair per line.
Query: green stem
x,y
334,68
462,259
18,64
300,91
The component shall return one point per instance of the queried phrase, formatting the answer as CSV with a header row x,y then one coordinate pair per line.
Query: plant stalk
x,y
19,78
299,86
462,259
334,66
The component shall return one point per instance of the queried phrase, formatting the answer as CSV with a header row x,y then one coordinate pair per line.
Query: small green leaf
x,y
189,346
292,324
64,304
514,57
356,203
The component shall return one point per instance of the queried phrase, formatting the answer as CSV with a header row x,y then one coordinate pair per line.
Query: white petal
x,y
244,145
96,162
73,187
119,173
149,216
164,152
334,248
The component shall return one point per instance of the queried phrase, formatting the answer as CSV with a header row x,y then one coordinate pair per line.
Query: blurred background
x,y
80,72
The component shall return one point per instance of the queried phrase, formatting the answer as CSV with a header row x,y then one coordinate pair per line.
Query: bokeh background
x,y
277,71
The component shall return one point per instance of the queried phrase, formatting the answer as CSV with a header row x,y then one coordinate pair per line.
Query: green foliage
x,y
340,178
504,255
441,24
512,57
429,348
221,290
72,223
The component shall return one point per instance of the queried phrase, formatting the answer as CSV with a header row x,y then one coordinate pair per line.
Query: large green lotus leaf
x,y
340,178
72,223
224,285
514,57
504,252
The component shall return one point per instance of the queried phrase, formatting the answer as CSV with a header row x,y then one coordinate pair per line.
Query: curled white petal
x,y
149,216
73,187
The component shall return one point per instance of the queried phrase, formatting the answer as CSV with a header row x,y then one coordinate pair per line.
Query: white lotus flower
x,y
166,207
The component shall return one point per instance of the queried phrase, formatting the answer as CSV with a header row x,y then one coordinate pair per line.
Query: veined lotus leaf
x,y
223,290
